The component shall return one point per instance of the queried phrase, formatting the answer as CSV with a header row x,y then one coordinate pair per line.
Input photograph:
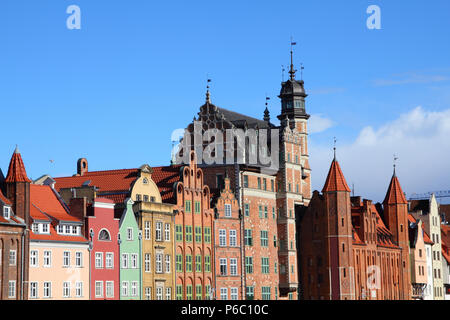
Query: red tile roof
x,y
426,238
54,236
165,178
395,193
109,180
16,170
335,179
4,199
44,202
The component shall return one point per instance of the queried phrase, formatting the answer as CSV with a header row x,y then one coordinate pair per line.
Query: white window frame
x,y
66,289
12,257
233,267
159,292
223,293
47,256
98,287
234,293
158,231
79,259
78,289
222,237
148,262
148,293
7,212
130,234
66,265
167,232
99,260
134,260
12,289
223,262
147,230
125,286
168,293
125,261
110,289
167,263
159,263
109,260
34,258
134,288
233,238
227,210
33,290
47,287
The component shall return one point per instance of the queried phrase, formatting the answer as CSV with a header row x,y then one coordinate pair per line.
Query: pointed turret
x,y
335,179
395,193
16,171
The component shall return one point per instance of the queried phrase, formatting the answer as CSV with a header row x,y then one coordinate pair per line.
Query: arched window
x,y
104,235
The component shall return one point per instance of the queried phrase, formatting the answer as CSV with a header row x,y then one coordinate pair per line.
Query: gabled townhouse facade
x,y
228,246
130,245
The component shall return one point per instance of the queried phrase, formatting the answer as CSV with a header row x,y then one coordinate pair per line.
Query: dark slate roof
x,y
420,205
239,120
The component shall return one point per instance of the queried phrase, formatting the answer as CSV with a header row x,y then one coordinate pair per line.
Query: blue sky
x,y
116,89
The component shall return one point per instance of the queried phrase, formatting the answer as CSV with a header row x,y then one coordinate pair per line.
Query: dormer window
x,y
7,212
35,228
45,228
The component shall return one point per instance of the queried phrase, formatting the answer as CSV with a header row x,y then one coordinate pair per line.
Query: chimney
x,y
356,201
78,208
82,166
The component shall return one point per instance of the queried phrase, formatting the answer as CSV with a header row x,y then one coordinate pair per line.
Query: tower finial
x,y
395,163
17,149
301,71
292,70
208,96
334,148
266,111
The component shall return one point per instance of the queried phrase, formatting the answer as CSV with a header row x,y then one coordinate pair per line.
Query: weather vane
x,y
334,148
395,162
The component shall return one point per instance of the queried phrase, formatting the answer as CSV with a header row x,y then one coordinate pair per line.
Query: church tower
x,y
293,178
396,218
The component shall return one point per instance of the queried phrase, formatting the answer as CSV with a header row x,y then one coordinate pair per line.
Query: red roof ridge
x,y
16,170
395,193
335,179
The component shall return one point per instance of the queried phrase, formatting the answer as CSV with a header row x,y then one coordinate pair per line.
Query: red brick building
x,y
14,231
269,195
194,230
348,251
227,246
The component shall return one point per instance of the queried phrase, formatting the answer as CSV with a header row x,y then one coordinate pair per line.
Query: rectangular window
x,y
188,233
125,285
234,293
265,212
207,235
79,289
223,293
129,234
223,266
147,262
145,198
33,290
6,212
273,213
167,232
246,209
47,258
264,265
98,260
259,183
47,289
198,234
198,263
12,289
159,263
188,263
79,259
207,263
198,292
179,262
187,206
110,289
228,210
147,230
109,261
168,293
99,289
159,293
167,263
249,265
189,292
265,293
248,237
197,207
134,288
272,187
33,258
260,211
148,293
233,241
233,266
158,231
222,237
66,259
245,181
124,260
179,292
12,257
66,289
179,233
264,238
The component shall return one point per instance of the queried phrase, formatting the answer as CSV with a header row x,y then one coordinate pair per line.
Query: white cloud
x,y
318,123
408,78
420,139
